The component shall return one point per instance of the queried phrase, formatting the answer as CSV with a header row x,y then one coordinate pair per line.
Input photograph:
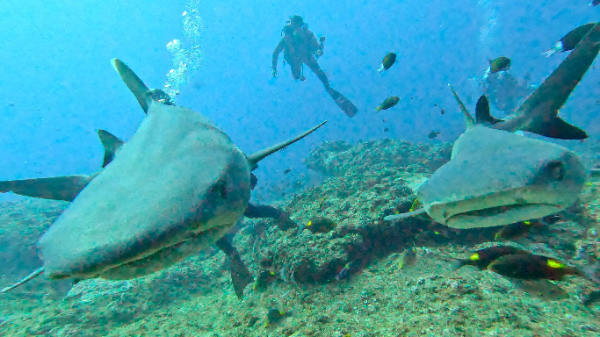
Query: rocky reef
x,y
340,279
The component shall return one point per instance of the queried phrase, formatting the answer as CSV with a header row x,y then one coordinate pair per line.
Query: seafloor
x,y
376,298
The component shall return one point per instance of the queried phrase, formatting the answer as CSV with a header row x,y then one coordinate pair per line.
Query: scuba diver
x,y
506,92
300,46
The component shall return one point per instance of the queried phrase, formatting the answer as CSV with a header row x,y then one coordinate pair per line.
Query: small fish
x,y
483,257
388,103
517,229
344,272
415,205
569,41
387,62
500,64
595,3
435,105
443,111
536,267
407,259
433,134
264,278
386,129
384,120
276,316
322,202
287,171
321,225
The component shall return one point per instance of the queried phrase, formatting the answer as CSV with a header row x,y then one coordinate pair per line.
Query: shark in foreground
x,y
175,188
496,177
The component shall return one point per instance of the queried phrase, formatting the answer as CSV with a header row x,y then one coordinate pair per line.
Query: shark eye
x,y
221,188
556,169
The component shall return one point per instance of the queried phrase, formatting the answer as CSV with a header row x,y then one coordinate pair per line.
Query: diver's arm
x,y
312,41
276,53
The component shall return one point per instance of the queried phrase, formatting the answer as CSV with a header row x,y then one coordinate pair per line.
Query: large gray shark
x,y
496,177
176,187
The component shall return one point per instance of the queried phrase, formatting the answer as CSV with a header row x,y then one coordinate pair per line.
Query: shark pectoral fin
x,y
482,112
56,188
557,128
260,155
404,215
240,276
26,279
469,121
111,144
134,83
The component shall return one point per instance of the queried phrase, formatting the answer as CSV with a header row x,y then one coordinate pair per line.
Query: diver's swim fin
x,y
348,107
240,276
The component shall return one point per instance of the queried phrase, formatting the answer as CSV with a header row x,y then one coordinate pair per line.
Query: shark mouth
x,y
500,215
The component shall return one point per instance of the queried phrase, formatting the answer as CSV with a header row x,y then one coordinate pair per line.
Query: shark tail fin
x,y
466,114
557,128
134,83
26,279
111,144
57,188
260,155
404,215
482,112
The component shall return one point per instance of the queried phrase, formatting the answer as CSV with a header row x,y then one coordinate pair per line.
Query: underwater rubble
x,y
338,272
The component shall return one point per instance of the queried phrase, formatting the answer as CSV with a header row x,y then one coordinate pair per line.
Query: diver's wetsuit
x,y
298,46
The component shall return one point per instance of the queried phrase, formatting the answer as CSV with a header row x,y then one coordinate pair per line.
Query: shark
x,y
497,177
176,187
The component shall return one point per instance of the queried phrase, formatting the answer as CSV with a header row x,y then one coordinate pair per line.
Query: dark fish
x,y
386,129
408,258
264,278
321,225
536,267
569,41
388,103
287,171
500,64
595,3
516,230
275,317
483,257
344,272
387,62
443,111
433,134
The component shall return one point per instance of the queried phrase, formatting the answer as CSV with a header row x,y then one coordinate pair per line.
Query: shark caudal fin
x,y
482,112
469,121
134,83
111,144
552,94
260,155
26,279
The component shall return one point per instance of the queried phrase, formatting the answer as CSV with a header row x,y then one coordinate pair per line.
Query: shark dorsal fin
x,y
466,114
260,155
134,83
482,112
111,144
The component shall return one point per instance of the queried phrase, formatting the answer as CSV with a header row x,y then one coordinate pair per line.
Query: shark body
x,y
496,177
176,187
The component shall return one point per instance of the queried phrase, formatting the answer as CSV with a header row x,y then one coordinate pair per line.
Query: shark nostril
x,y
556,168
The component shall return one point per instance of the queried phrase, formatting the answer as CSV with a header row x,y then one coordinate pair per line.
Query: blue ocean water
x,y
58,86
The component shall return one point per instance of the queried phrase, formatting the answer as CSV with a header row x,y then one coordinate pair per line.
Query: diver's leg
x,y
296,69
314,66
